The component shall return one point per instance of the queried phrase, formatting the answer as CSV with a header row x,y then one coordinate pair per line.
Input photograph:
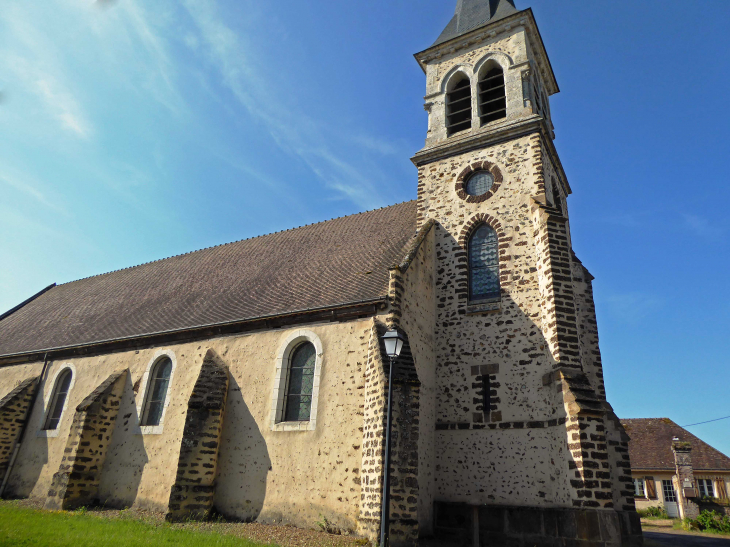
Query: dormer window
x,y
458,106
492,99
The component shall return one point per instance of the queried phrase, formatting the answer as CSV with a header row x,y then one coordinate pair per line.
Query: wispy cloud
x,y
702,227
22,183
296,133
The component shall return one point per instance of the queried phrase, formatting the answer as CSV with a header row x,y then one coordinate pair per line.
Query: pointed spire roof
x,y
471,14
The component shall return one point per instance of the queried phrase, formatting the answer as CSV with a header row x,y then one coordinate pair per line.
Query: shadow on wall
x,y
243,461
32,456
126,457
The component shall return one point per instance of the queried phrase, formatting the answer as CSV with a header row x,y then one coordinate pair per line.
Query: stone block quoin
x,y
191,497
77,481
14,408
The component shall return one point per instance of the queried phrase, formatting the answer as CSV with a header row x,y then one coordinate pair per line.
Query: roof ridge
x,y
232,242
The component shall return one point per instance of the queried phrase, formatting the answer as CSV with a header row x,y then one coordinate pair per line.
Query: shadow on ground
x,y
675,538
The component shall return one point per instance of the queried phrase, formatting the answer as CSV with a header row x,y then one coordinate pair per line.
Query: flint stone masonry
x,y
14,408
192,494
77,481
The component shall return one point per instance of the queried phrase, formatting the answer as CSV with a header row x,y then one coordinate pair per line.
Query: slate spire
x,y
471,14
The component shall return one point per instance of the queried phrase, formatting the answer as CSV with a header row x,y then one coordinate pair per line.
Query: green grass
x,y
24,527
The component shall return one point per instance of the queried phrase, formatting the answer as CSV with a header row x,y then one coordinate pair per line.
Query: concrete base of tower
x,y
499,525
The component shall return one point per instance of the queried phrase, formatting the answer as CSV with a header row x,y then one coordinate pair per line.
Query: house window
x,y
483,264
639,490
706,488
58,400
458,106
157,385
670,495
300,382
492,99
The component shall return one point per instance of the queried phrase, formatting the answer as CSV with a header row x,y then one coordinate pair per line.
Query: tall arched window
x,y
58,399
492,99
157,386
483,264
458,106
299,384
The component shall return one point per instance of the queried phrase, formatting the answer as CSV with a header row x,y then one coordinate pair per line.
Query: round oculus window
x,y
479,183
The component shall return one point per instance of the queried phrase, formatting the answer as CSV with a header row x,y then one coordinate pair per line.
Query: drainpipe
x,y
24,427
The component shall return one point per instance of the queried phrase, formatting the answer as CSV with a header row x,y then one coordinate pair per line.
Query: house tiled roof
x,y
337,262
650,446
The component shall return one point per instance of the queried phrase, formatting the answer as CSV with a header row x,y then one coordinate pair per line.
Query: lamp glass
x,y
393,343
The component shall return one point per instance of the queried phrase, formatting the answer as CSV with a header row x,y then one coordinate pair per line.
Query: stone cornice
x,y
524,19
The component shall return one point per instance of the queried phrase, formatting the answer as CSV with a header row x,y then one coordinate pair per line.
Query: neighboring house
x,y
670,465
251,378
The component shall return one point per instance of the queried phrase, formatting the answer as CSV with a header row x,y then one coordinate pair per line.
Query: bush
x,y
713,521
653,512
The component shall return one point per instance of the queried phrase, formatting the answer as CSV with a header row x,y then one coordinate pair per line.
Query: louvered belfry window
x,y
492,99
300,382
483,264
458,103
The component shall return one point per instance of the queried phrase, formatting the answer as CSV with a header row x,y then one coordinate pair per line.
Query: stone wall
x,y
77,481
486,526
14,408
260,471
191,496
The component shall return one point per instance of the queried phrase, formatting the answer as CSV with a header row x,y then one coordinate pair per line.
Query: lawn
x,y
23,526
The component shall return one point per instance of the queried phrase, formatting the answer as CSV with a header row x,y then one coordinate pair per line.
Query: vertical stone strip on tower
x,y
77,481
14,409
191,496
587,326
554,273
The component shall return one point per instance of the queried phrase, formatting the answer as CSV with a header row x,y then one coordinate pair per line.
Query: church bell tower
x,y
526,444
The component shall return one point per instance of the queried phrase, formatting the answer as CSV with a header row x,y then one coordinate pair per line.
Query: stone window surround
x,y
493,304
46,403
474,73
288,345
144,386
473,167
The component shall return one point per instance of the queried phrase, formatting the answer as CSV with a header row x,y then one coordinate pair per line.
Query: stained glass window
x,y
157,392
58,399
300,383
479,183
483,264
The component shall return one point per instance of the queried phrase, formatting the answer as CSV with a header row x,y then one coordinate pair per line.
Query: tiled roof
x,y
340,261
472,14
650,446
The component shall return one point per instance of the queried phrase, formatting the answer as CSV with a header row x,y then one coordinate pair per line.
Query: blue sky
x,y
132,131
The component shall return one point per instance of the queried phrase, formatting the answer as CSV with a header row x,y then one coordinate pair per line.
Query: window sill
x,y
47,433
294,426
484,306
150,430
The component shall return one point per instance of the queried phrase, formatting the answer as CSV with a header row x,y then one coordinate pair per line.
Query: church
x,y
251,379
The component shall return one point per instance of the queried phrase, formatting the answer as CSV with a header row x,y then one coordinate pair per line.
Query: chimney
x,y
685,478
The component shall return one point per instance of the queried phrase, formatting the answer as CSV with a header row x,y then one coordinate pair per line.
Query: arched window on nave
x,y
58,399
299,383
157,386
